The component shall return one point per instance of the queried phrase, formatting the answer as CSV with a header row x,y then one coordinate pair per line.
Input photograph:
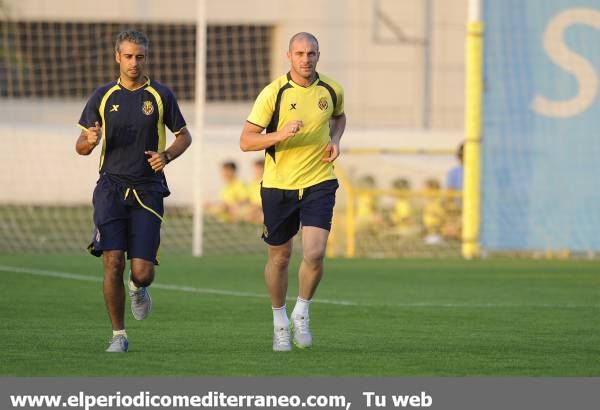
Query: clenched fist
x,y
94,134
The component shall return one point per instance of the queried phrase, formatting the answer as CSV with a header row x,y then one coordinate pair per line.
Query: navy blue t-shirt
x,y
133,122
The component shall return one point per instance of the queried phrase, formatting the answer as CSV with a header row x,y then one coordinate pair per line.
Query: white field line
x,y
188,289
225,292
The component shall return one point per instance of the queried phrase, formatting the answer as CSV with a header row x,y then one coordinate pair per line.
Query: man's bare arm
x,y
88,139
183,139
337,126
252,138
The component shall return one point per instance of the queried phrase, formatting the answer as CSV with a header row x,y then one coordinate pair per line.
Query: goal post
x,y
473,128
198,137
46,203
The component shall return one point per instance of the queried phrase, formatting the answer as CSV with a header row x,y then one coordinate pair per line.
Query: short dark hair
x,y
230,165
432,183
303,34
460,151
401,184
133,36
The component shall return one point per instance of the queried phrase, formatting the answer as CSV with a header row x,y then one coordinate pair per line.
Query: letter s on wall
x,y
561,55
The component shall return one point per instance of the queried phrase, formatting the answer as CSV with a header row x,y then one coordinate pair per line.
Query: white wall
x,y
383,80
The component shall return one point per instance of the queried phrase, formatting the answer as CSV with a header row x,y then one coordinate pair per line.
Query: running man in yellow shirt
x,y
303,115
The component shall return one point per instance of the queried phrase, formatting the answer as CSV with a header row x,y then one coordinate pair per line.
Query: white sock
x,y
121,332
132,286
301,308
280,318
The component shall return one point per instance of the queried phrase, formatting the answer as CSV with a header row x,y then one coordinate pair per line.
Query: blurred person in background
x,y
233,197
402,213
433,212
368,217
453,204
454,177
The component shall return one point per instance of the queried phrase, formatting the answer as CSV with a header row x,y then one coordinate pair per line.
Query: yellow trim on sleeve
x,y
145,206
178,132
114,88
82,127
162,136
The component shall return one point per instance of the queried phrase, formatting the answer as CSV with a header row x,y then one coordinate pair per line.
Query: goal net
x,y
48,69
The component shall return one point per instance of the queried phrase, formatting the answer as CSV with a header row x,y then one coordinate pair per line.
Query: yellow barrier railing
x,y
350,218
400,151
343,237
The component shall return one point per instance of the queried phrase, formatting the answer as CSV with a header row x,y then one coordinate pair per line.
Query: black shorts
x,y
127,220
284,210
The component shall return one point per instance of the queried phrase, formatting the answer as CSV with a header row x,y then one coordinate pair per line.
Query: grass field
x,y
371,317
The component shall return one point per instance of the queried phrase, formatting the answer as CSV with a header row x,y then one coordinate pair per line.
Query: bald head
x,y
303,36
303,56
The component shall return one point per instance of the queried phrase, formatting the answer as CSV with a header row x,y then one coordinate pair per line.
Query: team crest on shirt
x,y
148,107
323,104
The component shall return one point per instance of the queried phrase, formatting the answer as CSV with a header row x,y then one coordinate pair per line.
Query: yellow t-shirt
x,y
402,212
366,205
234,193
433,214
297,162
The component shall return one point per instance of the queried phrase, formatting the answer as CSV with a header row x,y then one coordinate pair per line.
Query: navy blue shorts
x,y
126,221
284,210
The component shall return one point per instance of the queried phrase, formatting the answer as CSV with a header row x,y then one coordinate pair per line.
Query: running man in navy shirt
x,y
128,117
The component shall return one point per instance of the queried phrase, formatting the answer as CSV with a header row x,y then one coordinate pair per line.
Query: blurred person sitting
x,y
454,177
453,205
233,197
367,217
433,212
401,216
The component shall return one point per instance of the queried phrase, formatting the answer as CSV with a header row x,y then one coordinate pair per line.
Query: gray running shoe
x,y
281,339
302,336
118,344
141,302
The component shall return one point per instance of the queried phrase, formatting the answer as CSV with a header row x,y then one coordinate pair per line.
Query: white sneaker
x,y
302,336
433,239
281,339
117,344
141,302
